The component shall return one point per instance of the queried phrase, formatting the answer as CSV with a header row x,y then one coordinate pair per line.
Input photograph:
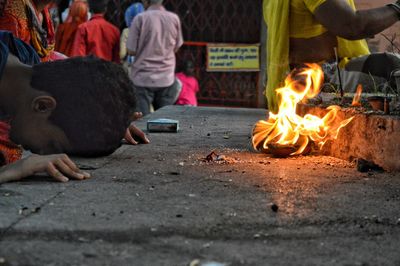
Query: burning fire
x,y
286,128
357,96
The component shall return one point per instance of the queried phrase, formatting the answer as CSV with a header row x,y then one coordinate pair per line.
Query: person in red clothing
x,y
97,37
65,36
30,21
190,86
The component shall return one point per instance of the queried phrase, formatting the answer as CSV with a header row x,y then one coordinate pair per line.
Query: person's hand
x,y
58,166
133,134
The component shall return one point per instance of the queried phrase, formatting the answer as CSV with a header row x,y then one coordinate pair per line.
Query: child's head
x,y
98,6
188,68
81,106
147,3
131,12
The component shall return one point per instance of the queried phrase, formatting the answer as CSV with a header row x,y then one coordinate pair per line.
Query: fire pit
x,y
286,133
300,127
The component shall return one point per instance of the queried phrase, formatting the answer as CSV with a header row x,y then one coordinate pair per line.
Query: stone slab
x,y
375,138
160,204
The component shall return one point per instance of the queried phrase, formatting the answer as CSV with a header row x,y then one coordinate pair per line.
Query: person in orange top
x,y
30,21
78,14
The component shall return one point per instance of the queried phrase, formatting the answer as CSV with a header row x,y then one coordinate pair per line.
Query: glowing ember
x,y
357,97
289,131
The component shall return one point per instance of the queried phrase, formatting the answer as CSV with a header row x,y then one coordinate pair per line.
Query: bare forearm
x,y
11,172
373,21
58,166
341,20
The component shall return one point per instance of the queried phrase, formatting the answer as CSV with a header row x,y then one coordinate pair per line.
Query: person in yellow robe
x,y
308,31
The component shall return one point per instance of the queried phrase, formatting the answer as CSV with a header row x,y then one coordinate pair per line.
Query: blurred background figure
x,y
64,16
30,21
78,14
131,12
190,86
154,37
97,37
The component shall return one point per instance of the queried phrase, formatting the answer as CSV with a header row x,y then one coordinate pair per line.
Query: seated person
x,y
190,86
307,31
80,106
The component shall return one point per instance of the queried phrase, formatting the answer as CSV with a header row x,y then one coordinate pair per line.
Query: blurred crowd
x,y
100,28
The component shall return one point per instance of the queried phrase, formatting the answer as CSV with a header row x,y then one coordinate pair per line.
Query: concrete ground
x,y
161,204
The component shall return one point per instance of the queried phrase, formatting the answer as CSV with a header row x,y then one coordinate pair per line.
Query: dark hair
x,y
98,6
188,64
95,102
188,67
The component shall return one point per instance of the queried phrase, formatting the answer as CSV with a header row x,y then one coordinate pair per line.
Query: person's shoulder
x,y
83,26
115,28
141,15
193,79
15,8
104,23
172,14
125,32
180,75
14,12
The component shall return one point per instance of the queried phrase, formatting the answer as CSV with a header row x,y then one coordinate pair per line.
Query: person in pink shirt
x,y
190,86
154,37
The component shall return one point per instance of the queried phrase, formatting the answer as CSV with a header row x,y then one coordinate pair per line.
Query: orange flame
x,y
357,97
286,127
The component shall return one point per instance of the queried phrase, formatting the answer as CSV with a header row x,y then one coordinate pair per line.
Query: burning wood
x,y
357,97
287,133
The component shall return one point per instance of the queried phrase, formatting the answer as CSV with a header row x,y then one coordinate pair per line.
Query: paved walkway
x,y
160,204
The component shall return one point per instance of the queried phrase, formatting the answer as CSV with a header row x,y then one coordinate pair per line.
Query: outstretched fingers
x,y
55,173
129,138
71,165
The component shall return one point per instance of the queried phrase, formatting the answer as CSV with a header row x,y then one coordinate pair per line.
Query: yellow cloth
x,y
302,23
294,18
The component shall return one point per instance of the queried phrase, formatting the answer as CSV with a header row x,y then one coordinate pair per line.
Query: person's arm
x,y
58,166
133,36
122,44
79,45
340,19
10,23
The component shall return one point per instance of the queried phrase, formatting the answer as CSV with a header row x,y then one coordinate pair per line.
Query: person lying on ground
x,y
79,106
